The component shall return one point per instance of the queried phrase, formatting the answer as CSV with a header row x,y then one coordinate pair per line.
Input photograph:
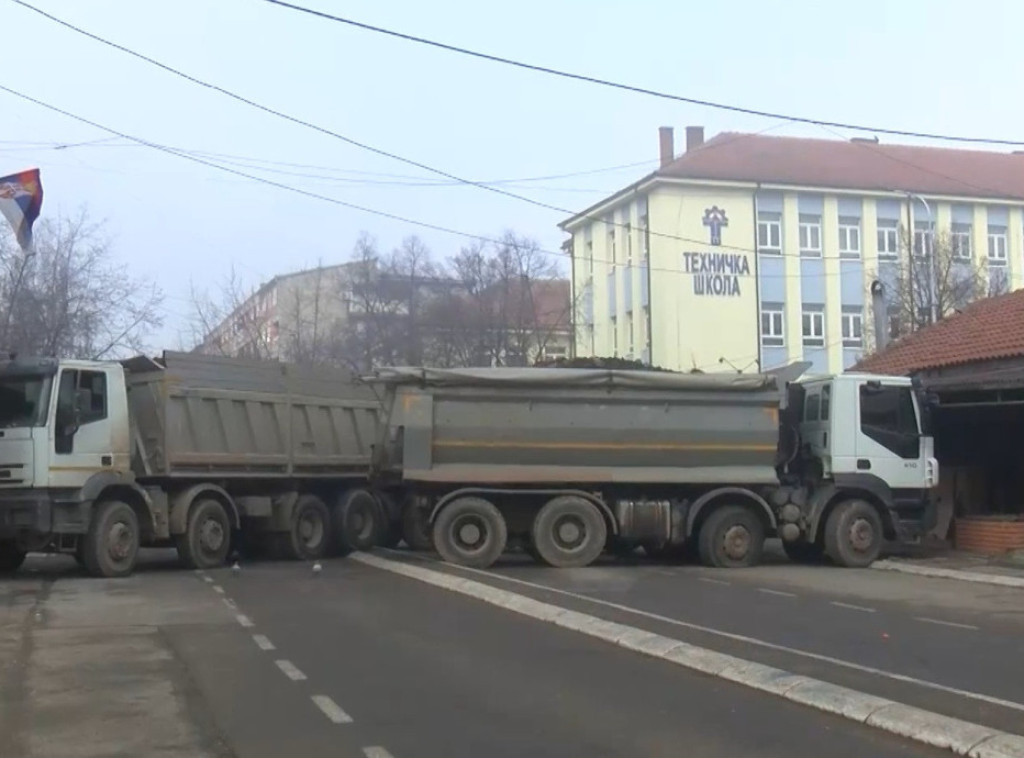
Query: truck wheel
x,y
207,538
112,542
416,529
356,521
731,537
390,528
853,534
310,534
11,557
470,531
804,552
569,532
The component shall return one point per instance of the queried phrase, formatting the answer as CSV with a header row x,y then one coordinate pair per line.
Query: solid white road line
x,y
245,621
218,589
780,593
331,709
962,737
853,607
709,580
376,752
940,622
289,670
263,642
741,638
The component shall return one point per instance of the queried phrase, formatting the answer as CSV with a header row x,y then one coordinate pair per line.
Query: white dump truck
x,y
100,458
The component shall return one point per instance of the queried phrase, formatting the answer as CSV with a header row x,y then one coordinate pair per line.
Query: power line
x,y
364,146
333,200
634,88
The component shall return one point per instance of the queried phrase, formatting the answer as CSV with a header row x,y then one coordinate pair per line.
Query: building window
x,y
773,326
769,233
924,239
961,241
611,246
628,231
646,239
997,245
853,329
630,344
813,324
888,238
810,236
849,238
589,254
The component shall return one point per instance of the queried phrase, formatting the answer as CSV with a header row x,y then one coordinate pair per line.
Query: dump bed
x,y
559,426
195,415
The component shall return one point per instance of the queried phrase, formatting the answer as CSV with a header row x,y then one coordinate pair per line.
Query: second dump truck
x,y
573,462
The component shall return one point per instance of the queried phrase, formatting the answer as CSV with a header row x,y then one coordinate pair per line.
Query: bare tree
x,y
936,276
235,322
67,297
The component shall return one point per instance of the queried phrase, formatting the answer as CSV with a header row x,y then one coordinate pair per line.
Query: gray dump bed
x,y
197,415
558,426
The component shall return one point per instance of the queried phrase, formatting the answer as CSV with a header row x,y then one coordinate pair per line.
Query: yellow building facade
x,y
730,275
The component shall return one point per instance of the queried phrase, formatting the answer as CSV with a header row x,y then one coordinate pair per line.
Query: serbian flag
x,y
21,197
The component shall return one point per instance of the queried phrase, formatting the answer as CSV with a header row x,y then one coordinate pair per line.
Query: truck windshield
x,y
24,400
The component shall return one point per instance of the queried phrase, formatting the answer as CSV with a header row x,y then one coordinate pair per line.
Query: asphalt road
x,y
939,644
278,660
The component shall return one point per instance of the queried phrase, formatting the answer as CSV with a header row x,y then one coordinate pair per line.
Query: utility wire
x,y
634,88
335,201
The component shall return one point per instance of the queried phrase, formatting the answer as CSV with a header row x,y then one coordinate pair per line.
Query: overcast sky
x,y
923,65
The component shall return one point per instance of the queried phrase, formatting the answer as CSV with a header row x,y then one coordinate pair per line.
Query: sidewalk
x,y
945,563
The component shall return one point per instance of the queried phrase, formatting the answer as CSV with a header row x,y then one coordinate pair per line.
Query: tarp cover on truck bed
x,y
569,377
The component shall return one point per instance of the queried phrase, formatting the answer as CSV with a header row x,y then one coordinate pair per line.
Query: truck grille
x,y
12,474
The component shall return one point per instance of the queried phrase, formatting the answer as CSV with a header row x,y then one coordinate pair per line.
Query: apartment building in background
x,y
755,251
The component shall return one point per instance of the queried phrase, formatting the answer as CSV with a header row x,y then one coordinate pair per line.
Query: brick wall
x,y
990,535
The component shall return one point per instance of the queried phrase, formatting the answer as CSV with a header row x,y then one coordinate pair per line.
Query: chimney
x,y
694,137
666,141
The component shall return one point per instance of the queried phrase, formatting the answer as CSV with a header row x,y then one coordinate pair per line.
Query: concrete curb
x,y
962,737
998,580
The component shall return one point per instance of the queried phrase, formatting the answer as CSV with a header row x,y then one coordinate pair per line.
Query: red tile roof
x,y
987,329
732,156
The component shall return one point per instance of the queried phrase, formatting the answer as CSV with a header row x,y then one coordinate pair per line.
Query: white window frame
x,y
612,247
960,240
889,232
771,227
775,335
812,327
849,232
997,247
852,322
810,239
627,230
615,337
924,242
589,244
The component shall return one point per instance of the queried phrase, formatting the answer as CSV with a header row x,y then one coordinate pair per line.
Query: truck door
x,y
82,441
889,438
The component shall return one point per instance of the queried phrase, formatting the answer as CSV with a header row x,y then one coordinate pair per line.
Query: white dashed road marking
x,y
709,580
245,621
376,752
780,593
289,670
331,709
945,623
263,642
218,589
853,607
208,579
230,603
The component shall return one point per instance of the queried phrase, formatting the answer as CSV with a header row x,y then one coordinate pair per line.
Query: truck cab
x,y
63,434
866,436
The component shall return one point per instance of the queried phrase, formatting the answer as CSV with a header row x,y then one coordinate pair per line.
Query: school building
x,y
752,251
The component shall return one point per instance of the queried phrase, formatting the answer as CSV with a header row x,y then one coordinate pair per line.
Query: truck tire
x,y
356,521
11,557
470,531
854,534
112,542
807,553
569,532
731,537
207,538
416,529
309,536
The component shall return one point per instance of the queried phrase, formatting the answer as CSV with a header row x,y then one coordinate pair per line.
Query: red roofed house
x,y
973,361
753,250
